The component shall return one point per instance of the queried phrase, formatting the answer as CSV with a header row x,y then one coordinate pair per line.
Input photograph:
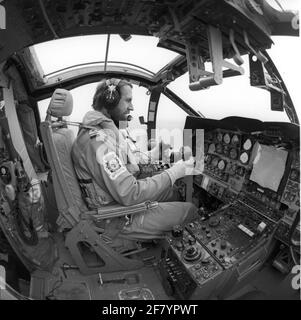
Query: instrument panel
x,y
253,171
254,174
227,156
230,174
291,193
201,255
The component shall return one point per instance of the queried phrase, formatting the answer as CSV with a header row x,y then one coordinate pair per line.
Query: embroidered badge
x,y
113,165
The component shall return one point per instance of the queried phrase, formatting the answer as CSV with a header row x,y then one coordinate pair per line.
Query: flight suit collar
x,y
96,118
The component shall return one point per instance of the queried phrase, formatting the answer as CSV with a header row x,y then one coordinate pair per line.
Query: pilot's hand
x,y
183,168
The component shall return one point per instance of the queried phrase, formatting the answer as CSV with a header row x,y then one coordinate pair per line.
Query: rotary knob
x,y
5,175
177,231
179,245
191,251
191,225
191,254
214,222
197,266
191,240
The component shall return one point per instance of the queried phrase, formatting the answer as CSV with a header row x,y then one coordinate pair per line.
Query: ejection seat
x,y
74,216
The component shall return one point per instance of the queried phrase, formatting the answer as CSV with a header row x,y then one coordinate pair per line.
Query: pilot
x,y
107,169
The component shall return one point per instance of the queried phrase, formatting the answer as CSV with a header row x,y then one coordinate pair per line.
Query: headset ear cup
x,y
111,97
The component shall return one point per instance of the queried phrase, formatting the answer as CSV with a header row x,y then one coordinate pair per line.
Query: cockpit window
x,y
282,5
288,62
82,102
139,50
234,97
170,128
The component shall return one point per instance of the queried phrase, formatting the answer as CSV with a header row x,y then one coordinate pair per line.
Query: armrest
x,y
117,210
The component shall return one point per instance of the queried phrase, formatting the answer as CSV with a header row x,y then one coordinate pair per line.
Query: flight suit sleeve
x,y
123,186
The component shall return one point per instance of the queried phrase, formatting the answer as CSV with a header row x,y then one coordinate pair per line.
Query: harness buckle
x,y
128,219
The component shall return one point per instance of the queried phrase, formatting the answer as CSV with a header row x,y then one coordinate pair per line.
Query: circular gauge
x,y
244,158
211,148
221,165
219,137
235,139
219,148
227,138
233,154
247,144
226,150
214,162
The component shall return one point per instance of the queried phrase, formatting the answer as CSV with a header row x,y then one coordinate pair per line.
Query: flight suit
x,y
106,169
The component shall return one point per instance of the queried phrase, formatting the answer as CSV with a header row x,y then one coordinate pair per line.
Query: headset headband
x,y
113,81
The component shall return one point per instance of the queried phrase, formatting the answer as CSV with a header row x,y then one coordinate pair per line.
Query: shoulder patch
x,y
113,165
98,134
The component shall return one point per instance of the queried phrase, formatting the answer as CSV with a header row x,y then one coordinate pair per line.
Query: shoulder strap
x,y
76,124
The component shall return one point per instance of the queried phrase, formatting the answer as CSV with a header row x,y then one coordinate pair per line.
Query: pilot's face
x,y
125,105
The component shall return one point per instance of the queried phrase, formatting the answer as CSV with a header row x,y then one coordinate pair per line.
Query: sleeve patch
x,y
98,134
113,165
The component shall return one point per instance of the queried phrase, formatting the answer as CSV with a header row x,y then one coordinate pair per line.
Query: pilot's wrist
x,y
172,177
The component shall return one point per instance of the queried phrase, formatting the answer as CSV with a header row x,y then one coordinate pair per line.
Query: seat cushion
x,y
63,139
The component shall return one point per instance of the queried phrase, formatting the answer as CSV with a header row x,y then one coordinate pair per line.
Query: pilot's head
x,y
114,97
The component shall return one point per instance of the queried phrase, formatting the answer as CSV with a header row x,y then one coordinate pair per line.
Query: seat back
x,y
58,140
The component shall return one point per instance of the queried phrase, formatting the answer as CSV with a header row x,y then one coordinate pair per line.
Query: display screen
x,y
268,166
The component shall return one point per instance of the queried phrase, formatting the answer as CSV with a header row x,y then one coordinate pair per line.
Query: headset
x,y
111,94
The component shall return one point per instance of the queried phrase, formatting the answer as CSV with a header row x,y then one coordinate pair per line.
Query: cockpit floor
x,y
66,282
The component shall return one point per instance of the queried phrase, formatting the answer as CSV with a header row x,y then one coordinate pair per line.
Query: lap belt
x,y
113,218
